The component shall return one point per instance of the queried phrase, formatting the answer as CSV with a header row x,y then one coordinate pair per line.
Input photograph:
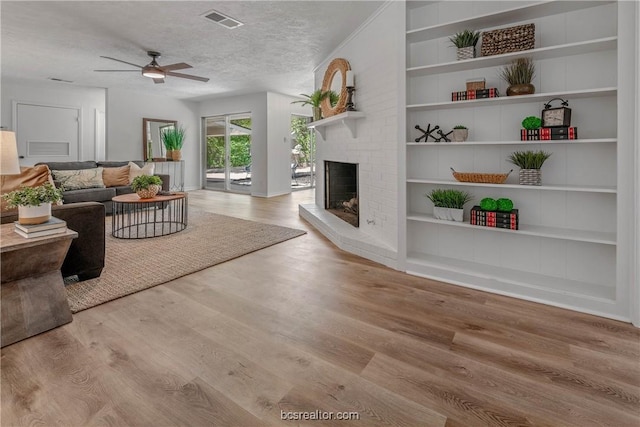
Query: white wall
x,y
125,111
58,94
279,111
376,147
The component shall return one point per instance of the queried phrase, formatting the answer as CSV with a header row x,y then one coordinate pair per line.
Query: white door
x,y
46,133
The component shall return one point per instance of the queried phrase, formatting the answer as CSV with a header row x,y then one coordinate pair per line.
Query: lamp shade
x,y
9,164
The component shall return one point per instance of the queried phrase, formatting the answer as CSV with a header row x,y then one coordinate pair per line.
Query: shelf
x,y
576,188
503,17
529,230
537,54
505,100
553,141
511,282
348,119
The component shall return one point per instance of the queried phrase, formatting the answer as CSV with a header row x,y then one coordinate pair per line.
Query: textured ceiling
x,y
275,50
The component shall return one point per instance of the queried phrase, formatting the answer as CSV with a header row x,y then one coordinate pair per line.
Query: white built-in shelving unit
x,y
568,251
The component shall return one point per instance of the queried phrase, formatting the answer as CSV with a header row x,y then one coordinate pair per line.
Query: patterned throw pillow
x,y
116,177
79,178
135,170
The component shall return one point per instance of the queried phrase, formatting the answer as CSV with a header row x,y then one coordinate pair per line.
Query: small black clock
x,y
557,116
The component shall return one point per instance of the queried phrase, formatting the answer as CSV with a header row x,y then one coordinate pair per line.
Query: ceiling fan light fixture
x,y
153,73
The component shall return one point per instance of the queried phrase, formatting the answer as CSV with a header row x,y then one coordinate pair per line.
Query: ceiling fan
x,y
156,71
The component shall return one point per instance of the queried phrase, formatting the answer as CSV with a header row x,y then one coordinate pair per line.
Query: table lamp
x,y
9,164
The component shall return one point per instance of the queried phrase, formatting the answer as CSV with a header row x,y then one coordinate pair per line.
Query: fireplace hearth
x,y
341,191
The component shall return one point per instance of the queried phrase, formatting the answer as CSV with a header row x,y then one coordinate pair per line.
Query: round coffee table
x,y
136,218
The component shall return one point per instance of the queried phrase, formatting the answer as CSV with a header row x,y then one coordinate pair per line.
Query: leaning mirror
x,y
152,129
335,78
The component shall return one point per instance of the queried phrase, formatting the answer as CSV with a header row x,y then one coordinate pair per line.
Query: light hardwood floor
x,y
304,326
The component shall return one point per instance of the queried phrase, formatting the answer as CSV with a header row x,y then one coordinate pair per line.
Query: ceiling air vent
x,y
225,21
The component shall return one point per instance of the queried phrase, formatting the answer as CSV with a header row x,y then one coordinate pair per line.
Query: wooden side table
x,y
32,294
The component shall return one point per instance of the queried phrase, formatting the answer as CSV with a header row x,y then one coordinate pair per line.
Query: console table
x,y
33,298
175,170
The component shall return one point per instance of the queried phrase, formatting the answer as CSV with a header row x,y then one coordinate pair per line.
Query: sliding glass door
x,y
303,149
227,149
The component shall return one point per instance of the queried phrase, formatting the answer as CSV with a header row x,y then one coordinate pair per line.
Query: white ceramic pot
x,y
448,214
460,135
34,214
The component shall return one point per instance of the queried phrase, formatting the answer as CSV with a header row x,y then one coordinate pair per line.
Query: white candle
x,y
350,82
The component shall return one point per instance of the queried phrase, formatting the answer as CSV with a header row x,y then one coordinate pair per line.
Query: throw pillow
x,y
79,178
31,176
135,170
116,177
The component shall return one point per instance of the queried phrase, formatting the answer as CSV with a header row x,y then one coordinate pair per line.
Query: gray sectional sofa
x,y
101,195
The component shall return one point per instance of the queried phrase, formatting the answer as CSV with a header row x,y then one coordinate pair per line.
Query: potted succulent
x,y
448,204
146,186
460,133
530,163
173,139
315,99
33,203
466,42
519,75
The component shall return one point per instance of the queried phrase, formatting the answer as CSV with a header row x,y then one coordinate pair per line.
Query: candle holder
x,y
350,104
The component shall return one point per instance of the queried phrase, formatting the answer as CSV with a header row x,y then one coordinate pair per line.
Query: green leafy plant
x,y
504,205
528,159
520,71
334,97
33,196
443,198
315,99
460,127
173,138
143,182
531,123
466,38
488,204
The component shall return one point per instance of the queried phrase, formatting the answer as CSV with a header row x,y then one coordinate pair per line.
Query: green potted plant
x,y
146,186
315,99
33,203
466,42
460,133
448,204
519,74
173,139
530,163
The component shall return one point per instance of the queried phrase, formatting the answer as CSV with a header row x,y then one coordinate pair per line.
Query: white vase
x,y
460,135
448,214
34,214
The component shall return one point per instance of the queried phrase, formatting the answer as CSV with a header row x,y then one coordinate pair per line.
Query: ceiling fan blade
x,y
117,71
187,76
178,66
156,81
119,60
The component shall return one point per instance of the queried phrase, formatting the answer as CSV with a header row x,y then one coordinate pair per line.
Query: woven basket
x,y
505,40
484,178
148,193
468,52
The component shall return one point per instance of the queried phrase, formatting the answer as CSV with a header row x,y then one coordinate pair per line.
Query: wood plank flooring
x,y
304,327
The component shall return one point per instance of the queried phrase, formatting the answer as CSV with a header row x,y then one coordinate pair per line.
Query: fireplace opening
x,y
341,191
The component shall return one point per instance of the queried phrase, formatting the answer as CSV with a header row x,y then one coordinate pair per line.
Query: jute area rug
x,y
134,265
